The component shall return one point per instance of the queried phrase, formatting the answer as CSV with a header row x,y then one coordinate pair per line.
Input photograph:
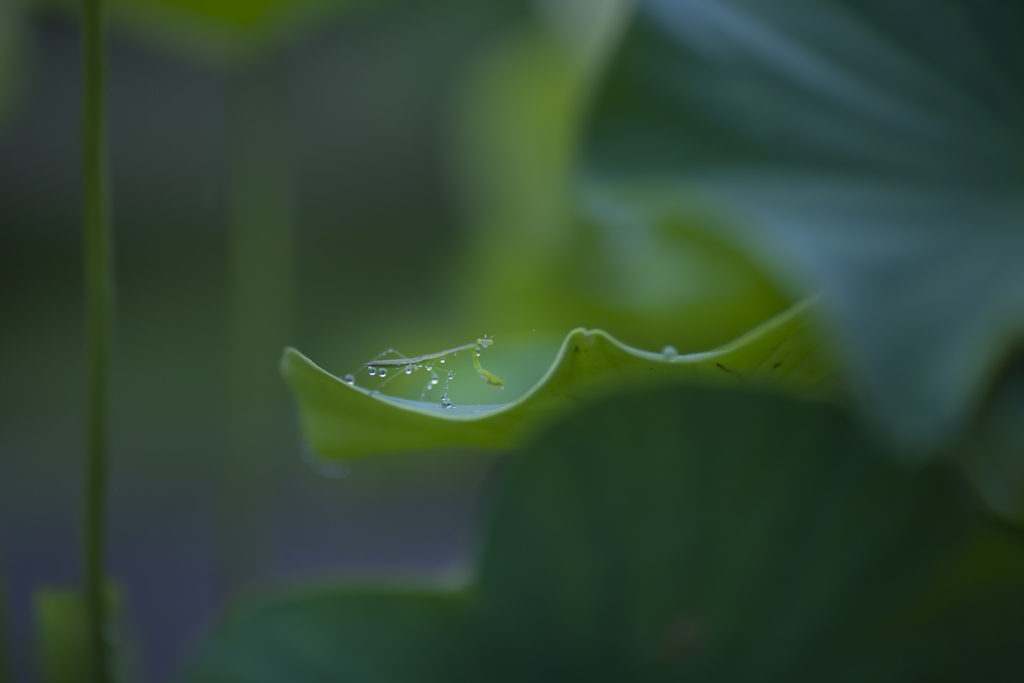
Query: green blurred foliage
x,y
681,187
544,257
870,149
993,455
233,33
696,534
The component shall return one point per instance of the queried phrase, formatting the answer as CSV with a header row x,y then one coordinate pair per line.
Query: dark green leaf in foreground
x,y
869,147
343,421
693,534
362,634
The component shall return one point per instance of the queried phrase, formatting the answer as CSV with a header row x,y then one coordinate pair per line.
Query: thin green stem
x,y
99,291
490,377
396,362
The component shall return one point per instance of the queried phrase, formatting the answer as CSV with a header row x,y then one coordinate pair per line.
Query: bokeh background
x,y
346,177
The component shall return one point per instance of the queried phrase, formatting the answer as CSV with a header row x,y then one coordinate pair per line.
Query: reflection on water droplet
x,y
349,379
429,366
669,352
383,372
451,374
408,369
441,361
447,402
372,370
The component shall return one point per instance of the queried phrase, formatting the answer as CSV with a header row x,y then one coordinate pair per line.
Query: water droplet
x,y
441,361
485,342
349,379
451,374
383,372
372,370
429,366
669,352
447,402
433,381
408,369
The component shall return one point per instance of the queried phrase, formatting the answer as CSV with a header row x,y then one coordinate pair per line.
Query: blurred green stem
x,y
259,300
96,245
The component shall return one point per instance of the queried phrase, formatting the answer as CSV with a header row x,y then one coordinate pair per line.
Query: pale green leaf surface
x,y
349,421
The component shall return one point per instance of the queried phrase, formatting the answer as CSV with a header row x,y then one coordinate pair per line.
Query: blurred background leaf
x,y
993,455
870,149
542,258
703,534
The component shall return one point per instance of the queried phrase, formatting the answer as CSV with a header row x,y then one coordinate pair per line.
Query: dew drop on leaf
x,y
383,372
349,379
669,352
372,370
408,369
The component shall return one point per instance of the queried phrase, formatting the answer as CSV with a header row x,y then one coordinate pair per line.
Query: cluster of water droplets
x,y
432,382
433,367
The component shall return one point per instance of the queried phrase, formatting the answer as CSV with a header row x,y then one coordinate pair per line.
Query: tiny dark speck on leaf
x,y
576,350
777,365
727,369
